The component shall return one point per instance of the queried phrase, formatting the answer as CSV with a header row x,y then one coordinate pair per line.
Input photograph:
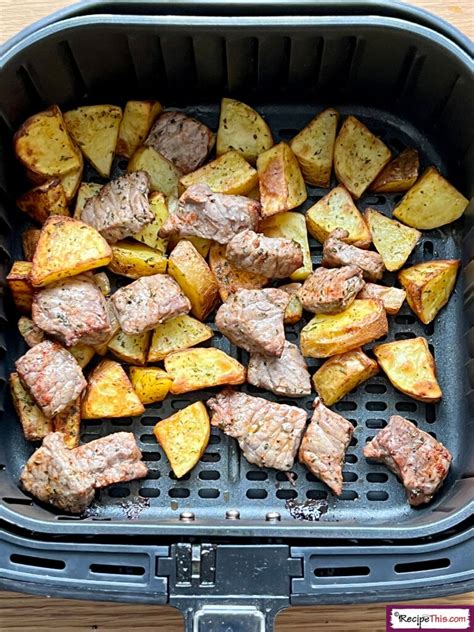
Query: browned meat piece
x,y
147,302
120,209
216,216
253,320
185,141
391,297
331,291
419,461
73,310
268,433
287,375
52,376
324,445
273,257
337,253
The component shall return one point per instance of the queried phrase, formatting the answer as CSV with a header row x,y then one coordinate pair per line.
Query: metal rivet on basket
x,y
186,516
232,514
272,516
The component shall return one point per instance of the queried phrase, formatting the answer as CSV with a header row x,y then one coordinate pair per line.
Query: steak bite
x,y
337,253
217,216
331,291
268,433
253,320
287,375
73,310
271,256
181,139
147,302
419,461
120,209
52,376
324,445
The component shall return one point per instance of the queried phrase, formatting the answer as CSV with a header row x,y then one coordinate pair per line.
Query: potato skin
x,y
229,173
18,280
35,425
399,175
151,384
29,241
44,200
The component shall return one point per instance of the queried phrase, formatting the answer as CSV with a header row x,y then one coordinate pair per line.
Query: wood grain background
x,y
23,613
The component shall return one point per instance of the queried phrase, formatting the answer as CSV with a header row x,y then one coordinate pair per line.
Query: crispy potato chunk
x,y
201,244
202,367
95,129
30,332
138,117
399,175
242,129
294,309
331,334
69,423
432,202
136,260
393,241
429,285
359,156
18,280
229,278
86,191
280,180
314,147
110,393
391,297
71,180
44,200
229,173
195,278
411,368
151,384
342,373
184,437
130,348
67,247
337,210
149,234
177,334
83,354
164,176
35,425
29,241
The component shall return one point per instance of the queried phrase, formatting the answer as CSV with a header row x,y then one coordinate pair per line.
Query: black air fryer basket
x,y
227,543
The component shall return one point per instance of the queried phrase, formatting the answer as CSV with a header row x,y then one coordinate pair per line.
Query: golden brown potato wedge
x,y
83,354
132,349
35,425
314,147
69,423
393,241
95,128
136,260
391,297
242,129
44,200
411,368
30,332
359,156
331,334
202,367
294,309
29,241
71,180
177,334
201,244
399,175
342,373
337,210
195,278
18,280
229,278
432,202
280,180
229,173
429,285
86,191
184,437
67,247
110,393
148,235
164,176
138,117
151,384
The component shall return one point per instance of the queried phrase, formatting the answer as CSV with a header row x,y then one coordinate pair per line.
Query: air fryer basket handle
x,y
229,618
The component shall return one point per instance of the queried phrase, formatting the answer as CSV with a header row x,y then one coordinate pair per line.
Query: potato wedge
x,y
201,244
184,437
291,226
337,210
67,247
69,423
229,278
399,175
202,367
85,192
35,425
177,334
71,180
280,180
242,129
44,146
44,200
359,156
83,354
164,176
229,173
138,117
29,241
18,280
391,297
339,375
195,278
314,147
30,332
151,384
429,285
411,368
393,241
294,309
331,334
432,202
95,128
110,393
148,235
103,283
132,349
136,260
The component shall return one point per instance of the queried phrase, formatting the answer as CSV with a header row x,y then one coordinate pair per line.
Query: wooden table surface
x,y
21,613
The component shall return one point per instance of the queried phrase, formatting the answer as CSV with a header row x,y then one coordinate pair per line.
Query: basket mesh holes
x,y
376,423
377,495
349,477
375,388
118,492
376,406
404,335
148,438
211,457
38,562
428,250
256,494
151,456
149,421
406,407
286,494
317,494
149,492
430,413
115,569
342,571
405,319
179,492
17,501
282,477
257,476
185,477
214,439
348,494
424,565
209,475
153,475
209,492
377,477
344,406
351,458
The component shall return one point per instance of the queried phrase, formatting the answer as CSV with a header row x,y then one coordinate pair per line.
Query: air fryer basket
x,y
412,86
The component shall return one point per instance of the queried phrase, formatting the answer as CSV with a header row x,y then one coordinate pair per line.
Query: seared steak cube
x,y
287,375
337,253
331,291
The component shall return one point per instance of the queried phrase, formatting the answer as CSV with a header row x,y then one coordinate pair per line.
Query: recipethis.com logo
x,y
430,618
